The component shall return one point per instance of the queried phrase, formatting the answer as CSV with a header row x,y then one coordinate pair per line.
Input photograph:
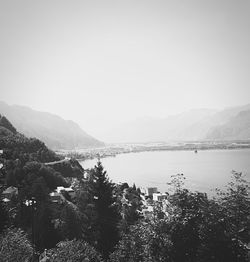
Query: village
x,y
150,198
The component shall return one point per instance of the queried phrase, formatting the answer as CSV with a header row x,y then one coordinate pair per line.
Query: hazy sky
x,y
101,62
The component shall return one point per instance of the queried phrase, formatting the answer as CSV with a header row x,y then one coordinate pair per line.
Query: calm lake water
x,y
204,171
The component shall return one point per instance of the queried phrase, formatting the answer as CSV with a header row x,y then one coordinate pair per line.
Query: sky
x,y
103,62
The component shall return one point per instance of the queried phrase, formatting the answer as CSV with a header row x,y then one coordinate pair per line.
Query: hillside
x,y
17,146
152,129
191,125
56,132
18,151
237,128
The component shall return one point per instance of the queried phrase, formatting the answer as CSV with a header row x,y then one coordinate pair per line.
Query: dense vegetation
x,y
103,221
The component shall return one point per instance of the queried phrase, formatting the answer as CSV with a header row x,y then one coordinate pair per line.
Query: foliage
x,y
145,241
3,216
97,202
234,204
129,205
14,246
187,226
17,146
107,214
71,222
45,235
74,250
68,168
4,122
192,228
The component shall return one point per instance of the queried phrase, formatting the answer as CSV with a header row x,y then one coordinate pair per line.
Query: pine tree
x,y
107,216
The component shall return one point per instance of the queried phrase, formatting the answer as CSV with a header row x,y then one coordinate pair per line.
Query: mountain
x,y
174,127
237,128
191,125
15,146
56,132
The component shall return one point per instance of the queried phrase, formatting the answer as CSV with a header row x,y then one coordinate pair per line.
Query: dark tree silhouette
x,y
107,216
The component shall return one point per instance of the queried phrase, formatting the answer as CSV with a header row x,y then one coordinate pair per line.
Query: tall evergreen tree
x,y
107,216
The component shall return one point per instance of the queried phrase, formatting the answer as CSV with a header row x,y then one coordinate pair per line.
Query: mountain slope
x,y
56,132
190,125
174,127
237,128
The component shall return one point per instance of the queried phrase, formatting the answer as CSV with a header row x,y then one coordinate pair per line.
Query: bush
x,y
74,250
14,246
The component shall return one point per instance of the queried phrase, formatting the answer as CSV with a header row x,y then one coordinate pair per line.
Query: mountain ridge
x,y
191,125
56,132
238,127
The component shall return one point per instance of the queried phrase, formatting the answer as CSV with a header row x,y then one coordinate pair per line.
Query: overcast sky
x,y
101,62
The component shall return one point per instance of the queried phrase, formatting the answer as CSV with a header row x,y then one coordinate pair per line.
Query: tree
x,y
235,205
45,235
72,223
131,247
3,216
129,203
73,250
145,242
14,246
86,206
107,216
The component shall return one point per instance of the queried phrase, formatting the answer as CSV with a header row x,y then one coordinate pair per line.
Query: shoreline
x,y
112,151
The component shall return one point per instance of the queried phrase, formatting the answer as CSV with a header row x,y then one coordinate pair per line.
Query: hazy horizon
x,y
101,63
115,134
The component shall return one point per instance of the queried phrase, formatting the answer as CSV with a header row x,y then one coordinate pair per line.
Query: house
x,y
69,190
56,197
9,192
151,190
159,197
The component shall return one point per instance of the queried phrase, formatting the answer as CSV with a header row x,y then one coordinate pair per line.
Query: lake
x,y
204,171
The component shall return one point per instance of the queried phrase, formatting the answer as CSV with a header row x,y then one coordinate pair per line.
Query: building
x,y
151,190
56,197
9,192
69,190
159,197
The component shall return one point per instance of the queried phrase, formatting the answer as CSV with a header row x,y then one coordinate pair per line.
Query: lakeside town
x,y
150,198
114,149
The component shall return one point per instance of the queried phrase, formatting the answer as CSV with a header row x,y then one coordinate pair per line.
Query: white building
x,y
10,192
69,190
159,196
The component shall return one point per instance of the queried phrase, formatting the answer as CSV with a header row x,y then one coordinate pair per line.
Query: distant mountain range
x,y
236,128
54,131
198,124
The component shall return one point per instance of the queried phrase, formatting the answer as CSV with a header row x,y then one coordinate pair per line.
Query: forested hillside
x,y
93,219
